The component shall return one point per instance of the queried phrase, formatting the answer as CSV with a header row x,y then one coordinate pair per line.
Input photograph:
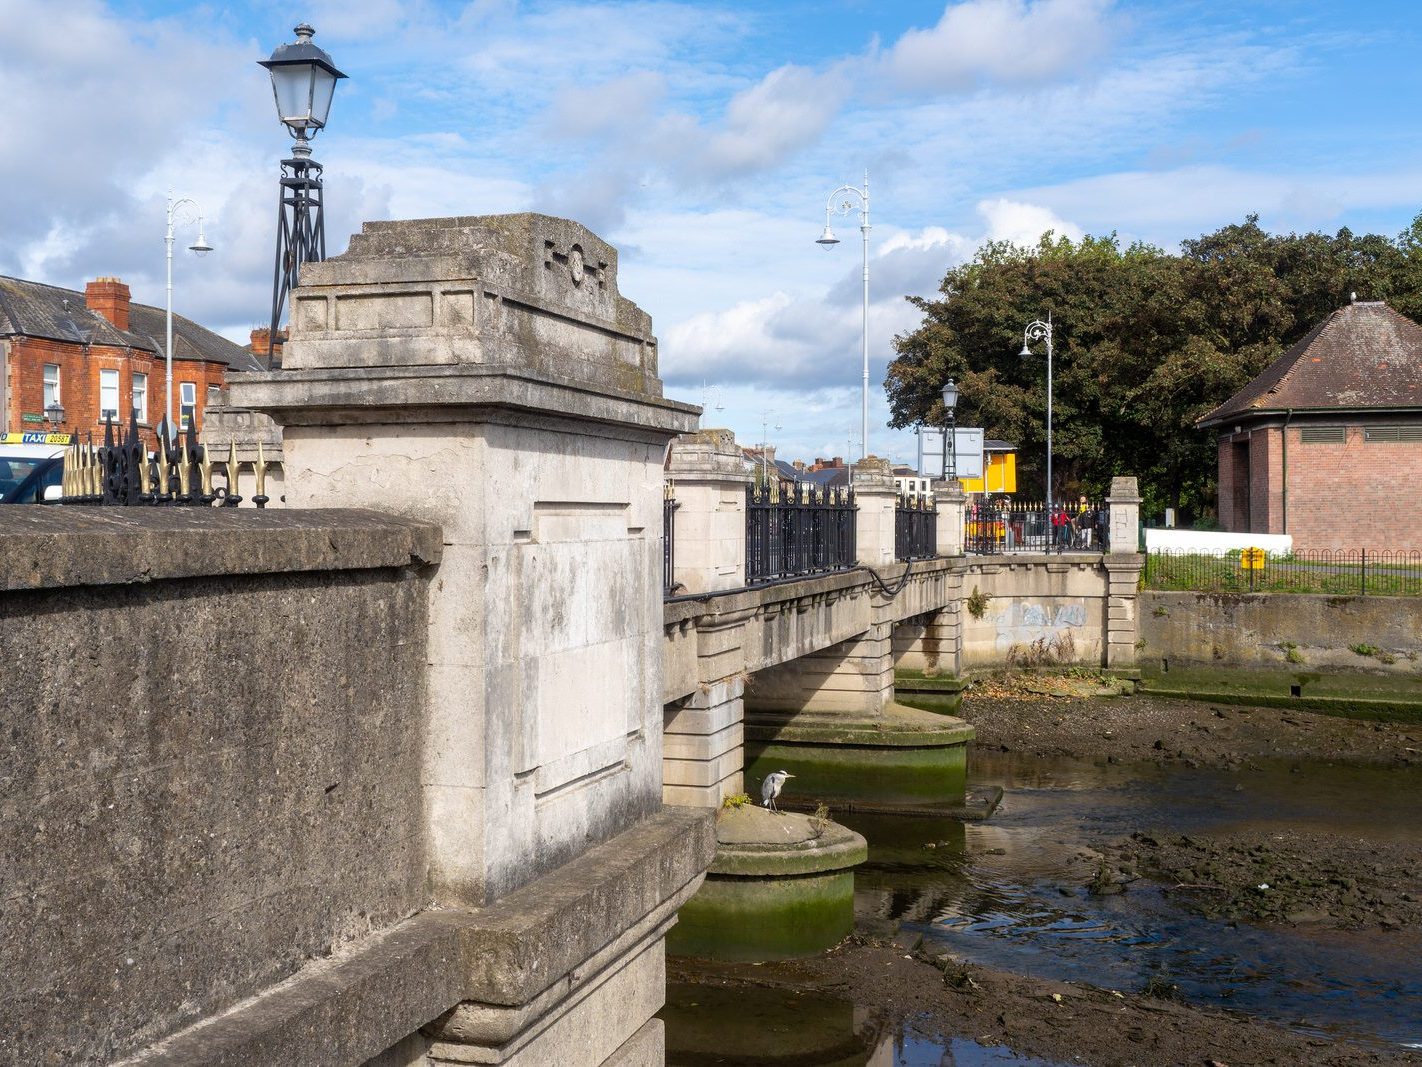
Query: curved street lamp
x,y
199,247
828,240
1042,331
303,83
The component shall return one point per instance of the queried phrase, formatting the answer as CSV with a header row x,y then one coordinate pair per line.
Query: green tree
x,y
1146,343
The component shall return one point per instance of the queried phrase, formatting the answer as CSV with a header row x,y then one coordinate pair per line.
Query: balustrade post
x,y
710,479
952,503
1125,506
877,498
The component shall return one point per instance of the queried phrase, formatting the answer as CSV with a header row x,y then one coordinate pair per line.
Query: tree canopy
x,y
1146,342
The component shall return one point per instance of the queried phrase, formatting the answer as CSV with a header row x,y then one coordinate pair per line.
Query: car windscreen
x,y
13,471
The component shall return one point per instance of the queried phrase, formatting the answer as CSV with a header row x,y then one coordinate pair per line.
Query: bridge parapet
x,y
710,479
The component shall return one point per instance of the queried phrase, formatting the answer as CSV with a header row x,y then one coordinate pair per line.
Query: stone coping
x,y
424,393
750,598
57,546
756,842
899,726
535,938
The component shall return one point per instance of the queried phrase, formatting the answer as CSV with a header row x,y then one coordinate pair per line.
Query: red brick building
x,y
1326,444
97,351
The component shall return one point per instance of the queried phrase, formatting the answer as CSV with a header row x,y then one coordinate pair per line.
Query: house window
x,y
108,395
140,396
1382,434
188,399
51,384
1323,435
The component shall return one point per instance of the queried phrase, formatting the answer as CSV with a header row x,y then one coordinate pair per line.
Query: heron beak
x,y
789,776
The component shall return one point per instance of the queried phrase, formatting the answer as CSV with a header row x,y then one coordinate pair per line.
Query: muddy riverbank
x,y
902,984
1050,717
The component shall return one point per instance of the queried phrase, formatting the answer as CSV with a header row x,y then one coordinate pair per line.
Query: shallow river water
x,y
1008,893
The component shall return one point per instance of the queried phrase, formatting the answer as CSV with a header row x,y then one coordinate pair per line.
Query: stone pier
x,y
484,374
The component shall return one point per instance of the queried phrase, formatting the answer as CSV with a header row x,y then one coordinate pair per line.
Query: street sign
x,y
1251,559
968,451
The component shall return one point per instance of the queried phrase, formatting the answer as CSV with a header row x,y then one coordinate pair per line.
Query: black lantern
x,y
54,415
303,82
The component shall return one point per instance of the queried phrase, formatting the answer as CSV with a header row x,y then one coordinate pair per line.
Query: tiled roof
x,y
1363,356
33,309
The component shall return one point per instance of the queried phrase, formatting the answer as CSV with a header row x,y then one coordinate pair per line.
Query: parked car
x,y
30,463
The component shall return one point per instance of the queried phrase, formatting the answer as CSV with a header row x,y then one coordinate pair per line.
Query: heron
x,y
770,788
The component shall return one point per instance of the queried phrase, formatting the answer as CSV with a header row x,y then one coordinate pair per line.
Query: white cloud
x,y
1023,224
1008,42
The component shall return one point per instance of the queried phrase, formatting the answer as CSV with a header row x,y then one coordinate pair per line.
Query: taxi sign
x,y
36,437
1251,559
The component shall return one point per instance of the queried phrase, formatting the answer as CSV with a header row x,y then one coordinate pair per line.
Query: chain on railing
x,y
669,506
178,473
993,527
794,529
915,527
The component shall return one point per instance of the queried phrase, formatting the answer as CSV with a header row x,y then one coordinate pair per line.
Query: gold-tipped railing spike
x,y
234,472
96,474
205,474
260,469
184,474
163,486
145,473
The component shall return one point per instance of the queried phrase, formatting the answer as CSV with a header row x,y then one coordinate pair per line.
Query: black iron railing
x,y
915,527
178,473
1341,572
669,506
796,529
999,526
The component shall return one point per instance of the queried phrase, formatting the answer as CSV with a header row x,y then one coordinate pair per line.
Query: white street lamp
x,y
828,240
201,248
1039,331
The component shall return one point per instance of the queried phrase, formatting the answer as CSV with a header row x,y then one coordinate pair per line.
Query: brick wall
x,y
79,369
1355,495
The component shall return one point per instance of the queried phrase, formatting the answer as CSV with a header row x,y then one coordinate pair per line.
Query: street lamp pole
x,y
303,82
201,247
1038,331
828,240
950,428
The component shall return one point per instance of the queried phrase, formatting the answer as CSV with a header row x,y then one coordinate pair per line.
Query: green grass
x,y
1284,574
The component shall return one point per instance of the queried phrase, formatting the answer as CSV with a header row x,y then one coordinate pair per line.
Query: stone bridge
x,y
739,659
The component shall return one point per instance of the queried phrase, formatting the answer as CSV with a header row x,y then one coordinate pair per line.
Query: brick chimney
x,y
262,346
108,297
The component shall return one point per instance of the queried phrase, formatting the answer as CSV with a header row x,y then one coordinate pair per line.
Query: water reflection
x,y
782,1028
1008,893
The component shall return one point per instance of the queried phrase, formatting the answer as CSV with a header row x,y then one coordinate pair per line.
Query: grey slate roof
x,y
33,309
1364,356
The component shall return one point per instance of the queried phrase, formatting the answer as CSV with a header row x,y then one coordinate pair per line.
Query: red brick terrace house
x,y
1326,444
97,352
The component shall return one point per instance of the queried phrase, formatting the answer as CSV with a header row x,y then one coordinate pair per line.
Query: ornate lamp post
x,y
1039,331
828,240
201,248
54,415
303,82
950,427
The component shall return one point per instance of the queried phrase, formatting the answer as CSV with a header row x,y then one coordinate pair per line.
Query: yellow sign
x,y
36,437
1001,475
1251,559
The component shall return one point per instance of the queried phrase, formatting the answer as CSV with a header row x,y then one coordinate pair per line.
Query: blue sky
x,y
702,139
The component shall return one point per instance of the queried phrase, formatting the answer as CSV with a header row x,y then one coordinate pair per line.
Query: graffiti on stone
x,y
1025,623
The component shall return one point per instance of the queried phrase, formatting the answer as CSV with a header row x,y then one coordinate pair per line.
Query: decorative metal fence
x,y
994,527
1345,572
669,506
124,473
794,529
915,527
